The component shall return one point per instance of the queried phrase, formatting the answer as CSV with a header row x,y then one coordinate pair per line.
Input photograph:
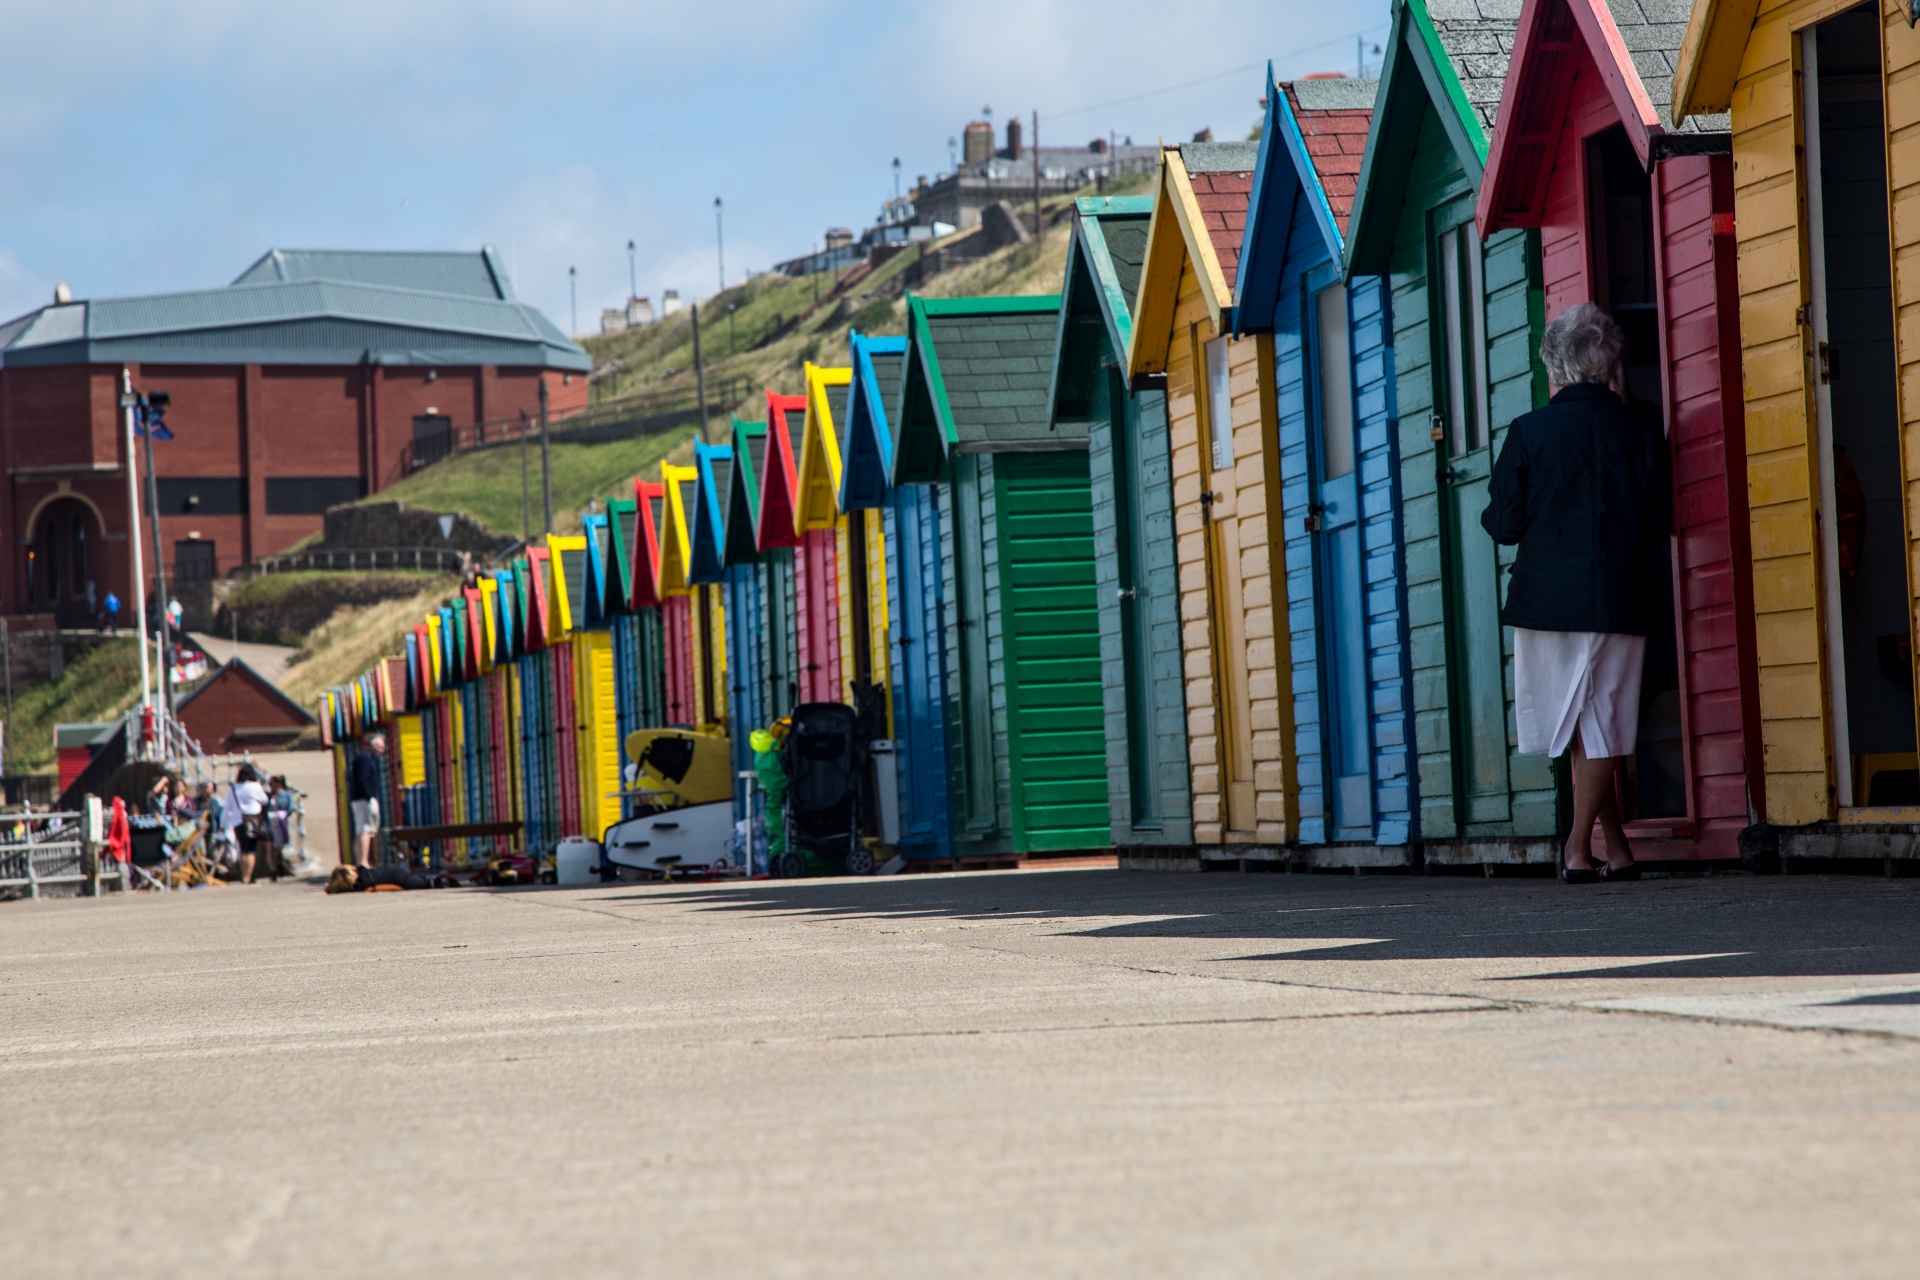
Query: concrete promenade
x,y
1070,1073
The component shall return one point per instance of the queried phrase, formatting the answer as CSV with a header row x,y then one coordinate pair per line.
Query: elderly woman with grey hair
x,y
1582,488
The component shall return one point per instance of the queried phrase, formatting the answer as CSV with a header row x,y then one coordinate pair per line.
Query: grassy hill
x,y
99,685
760,332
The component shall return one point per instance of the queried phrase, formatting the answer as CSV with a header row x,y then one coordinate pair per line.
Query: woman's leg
x,y
1592,792
1594,799
246,868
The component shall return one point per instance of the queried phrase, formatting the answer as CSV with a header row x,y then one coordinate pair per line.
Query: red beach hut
x,y
1635,214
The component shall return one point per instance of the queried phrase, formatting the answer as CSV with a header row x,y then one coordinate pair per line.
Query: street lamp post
x,y
896,177
633,277
733,342
573,297
720,239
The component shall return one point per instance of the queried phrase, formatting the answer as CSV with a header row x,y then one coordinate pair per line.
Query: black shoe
x,y
1626,871
1578,875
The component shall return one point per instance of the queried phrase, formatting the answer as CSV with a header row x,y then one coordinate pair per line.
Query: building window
x,y
1463,324
1219,403
201,495
311,495
1336,384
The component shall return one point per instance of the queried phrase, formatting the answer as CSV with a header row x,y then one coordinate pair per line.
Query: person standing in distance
x,y
363,795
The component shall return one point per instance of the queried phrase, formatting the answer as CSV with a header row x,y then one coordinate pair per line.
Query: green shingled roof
x,y
982,366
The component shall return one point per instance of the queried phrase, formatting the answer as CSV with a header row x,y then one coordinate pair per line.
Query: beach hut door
x,y
1464,446
1867,598
1334,519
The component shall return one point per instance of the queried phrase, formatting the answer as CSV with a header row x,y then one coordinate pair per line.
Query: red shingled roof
x,y
1335,140
1223,204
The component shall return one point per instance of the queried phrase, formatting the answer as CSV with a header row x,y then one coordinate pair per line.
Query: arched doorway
x,y
64,563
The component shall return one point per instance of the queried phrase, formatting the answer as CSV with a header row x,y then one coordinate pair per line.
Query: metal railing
x,y
349,558
40,849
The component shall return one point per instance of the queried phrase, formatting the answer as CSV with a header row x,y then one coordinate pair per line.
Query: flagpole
x,y
127,404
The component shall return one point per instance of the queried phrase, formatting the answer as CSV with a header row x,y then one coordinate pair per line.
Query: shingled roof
x,y
1333,117
1477,36
976,382
1652,31
1104,261
1222,175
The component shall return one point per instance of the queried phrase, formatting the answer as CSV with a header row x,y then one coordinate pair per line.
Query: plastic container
x,y
577,862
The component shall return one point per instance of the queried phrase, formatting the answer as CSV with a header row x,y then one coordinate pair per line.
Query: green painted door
x,y
1462,421
1055,708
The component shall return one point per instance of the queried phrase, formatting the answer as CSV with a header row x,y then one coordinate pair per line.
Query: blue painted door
x,y
913,570
1335,518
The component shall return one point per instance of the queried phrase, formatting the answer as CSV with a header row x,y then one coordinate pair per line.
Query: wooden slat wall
x,y
1901,44
1436,179
879,628
1156,587
1251,571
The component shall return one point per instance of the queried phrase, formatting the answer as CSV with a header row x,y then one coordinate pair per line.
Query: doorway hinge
x,y
1804,315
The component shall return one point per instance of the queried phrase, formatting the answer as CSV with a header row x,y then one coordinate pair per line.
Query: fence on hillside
x,y
628,416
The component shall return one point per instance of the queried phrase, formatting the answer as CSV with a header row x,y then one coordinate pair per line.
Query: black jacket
x,y
1582,487
363,776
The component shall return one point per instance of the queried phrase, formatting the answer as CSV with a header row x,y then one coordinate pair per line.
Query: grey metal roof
x,y
474,275
296,321
1220,157
1478,36
1652,31
996,367
1337,93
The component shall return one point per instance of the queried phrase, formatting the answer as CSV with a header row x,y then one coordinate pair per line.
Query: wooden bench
x,y
405,840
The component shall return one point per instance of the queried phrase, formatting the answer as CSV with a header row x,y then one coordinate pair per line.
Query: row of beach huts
x,y
1186,560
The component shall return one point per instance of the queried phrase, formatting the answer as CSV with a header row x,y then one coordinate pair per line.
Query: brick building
x,y
303,384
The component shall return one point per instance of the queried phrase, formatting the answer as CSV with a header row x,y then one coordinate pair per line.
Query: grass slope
x,y
102,684
357,636
289,608
485,483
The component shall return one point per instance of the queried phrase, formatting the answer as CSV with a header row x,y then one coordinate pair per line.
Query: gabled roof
x,y
976,382
235,670
540,607
676,535
742,499
1104,258
599,541
476,621
493,651
866,442
1450,55
1632,45
1708,62
623,524
567,567
713,465
780,485
472,275
304,320
508,640
1199,216
816,498
650,498
1310,149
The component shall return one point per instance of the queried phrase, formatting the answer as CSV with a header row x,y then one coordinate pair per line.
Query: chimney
x,y
1013,138
1098,146
979,142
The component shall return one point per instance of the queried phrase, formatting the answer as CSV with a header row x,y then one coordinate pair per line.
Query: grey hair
x,y
1581,344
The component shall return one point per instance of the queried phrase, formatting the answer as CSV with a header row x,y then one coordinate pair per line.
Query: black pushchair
x,y
827,801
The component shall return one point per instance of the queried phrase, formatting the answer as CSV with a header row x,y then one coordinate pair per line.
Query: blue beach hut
x,y
910,517
1340,476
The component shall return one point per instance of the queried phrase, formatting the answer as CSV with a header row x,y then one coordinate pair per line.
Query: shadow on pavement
x,y
1718,927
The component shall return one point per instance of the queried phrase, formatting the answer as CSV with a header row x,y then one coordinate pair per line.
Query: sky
x,y
152,145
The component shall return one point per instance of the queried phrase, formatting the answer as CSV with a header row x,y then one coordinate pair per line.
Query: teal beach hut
x,y
1466,321
749,696
1026,712
1150,801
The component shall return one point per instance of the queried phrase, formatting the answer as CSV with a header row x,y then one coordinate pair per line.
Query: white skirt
x,y
1584,679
